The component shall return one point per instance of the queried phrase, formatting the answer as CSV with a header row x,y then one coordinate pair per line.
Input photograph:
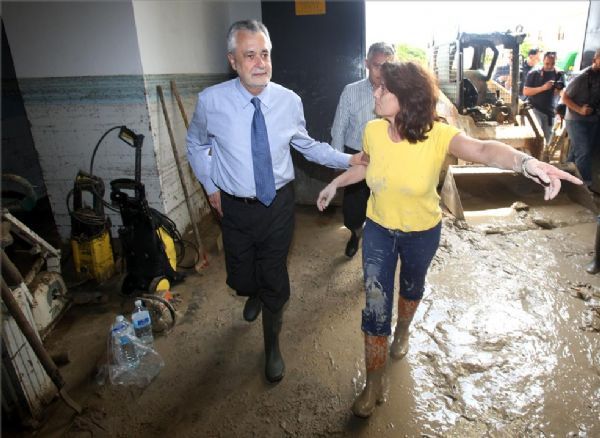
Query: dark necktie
x,y
261,157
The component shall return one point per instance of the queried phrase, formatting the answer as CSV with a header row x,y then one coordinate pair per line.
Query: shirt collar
x,y
246,96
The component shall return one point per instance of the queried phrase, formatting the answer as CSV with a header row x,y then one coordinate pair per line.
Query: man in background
x,y
582,98
533,58
542,88
355,108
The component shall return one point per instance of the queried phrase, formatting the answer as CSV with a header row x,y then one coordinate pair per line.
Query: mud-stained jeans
x,y
381,250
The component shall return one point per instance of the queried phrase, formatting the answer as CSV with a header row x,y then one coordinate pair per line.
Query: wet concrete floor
x,y
506,343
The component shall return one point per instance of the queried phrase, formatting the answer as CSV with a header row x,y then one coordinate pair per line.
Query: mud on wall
x,y
187,86
84,67
68,117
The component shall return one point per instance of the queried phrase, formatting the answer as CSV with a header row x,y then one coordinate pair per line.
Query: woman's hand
x,y
353,175
326,195
547,175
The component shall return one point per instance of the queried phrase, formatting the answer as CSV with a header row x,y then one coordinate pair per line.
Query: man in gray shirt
x,y
582,97
354,110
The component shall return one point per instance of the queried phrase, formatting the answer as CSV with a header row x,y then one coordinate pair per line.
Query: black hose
x,y
195,251
160,219
98,144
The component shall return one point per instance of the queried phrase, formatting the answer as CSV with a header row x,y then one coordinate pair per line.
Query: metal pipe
x,y
35,269
10,273
34,341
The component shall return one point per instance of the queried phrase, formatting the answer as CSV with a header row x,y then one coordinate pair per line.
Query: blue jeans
x,y
584,137
380,251
545,122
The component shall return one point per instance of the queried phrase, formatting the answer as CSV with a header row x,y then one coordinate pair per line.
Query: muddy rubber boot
x,y
372,393
594,266
252,308
274,365
406,312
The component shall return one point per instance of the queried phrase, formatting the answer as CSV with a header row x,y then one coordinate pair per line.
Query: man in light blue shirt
x,y
256,235
355,108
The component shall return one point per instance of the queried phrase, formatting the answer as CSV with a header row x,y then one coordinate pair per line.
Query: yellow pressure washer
x,y
146,235
90,229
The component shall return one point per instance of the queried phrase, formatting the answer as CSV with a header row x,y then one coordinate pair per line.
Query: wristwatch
x,y
524,171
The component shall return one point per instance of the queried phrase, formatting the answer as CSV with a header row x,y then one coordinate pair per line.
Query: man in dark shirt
x,y
582,98
533,57
542,88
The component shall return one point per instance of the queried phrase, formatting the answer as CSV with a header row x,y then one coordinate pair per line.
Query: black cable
x,y
98,144
159,218
196,257
84,216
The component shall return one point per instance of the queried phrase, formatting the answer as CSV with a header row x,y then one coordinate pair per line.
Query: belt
x,y
251,199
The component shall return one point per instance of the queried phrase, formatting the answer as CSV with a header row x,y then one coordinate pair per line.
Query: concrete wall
x,y
183,42
56,39
80,73
84,67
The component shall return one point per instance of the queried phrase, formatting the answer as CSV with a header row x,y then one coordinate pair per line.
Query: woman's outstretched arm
x,y
497,154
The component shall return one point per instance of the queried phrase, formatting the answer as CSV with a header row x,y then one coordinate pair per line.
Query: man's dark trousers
x,y
355,200
256,240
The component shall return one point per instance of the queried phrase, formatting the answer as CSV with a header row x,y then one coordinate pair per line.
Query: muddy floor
x,y
506,343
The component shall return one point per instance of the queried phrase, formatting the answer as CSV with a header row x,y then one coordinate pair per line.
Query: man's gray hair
x,y
381,47
253,26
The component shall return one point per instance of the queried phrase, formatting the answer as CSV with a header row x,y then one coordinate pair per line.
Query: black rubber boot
x,y
352,245
252,308
274,365
594,265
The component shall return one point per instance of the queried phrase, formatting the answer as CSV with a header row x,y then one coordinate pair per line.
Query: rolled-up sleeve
x,y
198,147
318,152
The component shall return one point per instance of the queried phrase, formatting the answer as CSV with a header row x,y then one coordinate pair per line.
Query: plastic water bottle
x,y
142,324
123,343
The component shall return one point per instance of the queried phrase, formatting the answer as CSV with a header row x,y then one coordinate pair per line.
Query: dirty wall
x,y
85,67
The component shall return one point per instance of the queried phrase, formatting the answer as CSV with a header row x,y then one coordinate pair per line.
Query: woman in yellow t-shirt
x,y
405,150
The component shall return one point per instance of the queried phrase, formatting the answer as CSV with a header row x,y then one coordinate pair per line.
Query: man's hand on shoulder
x,y
359,159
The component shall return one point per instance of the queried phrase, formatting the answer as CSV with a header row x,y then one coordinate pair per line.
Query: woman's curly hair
x,y
417,93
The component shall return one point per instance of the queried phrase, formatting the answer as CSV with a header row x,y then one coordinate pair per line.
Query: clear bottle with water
x,y
142,324
123,343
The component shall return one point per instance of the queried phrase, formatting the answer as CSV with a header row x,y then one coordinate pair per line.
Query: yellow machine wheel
x,y
159,283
